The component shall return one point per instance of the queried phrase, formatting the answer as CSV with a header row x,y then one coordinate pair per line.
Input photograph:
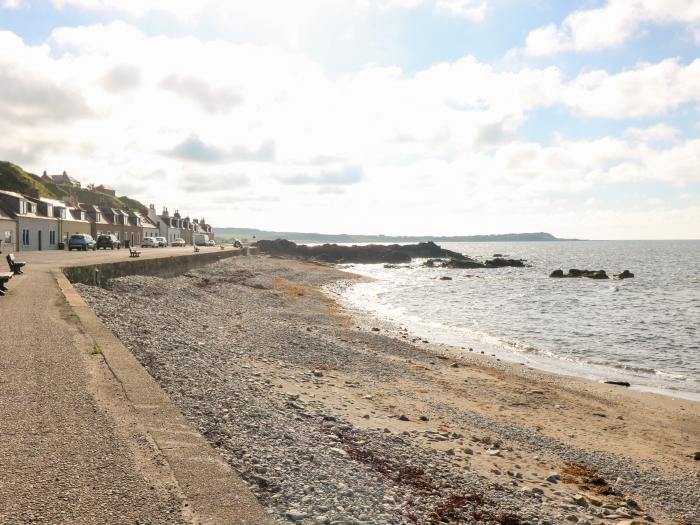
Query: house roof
x,y
13,194
6,214
53,202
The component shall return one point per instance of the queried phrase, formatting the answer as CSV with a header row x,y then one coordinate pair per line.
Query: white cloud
x,y
657,133
446,140
469,9
610,25
12,4
285,11
649,89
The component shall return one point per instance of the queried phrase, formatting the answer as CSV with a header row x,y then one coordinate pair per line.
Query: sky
x,y
423,117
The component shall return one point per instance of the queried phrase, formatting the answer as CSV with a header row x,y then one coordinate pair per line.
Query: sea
x,y
644,330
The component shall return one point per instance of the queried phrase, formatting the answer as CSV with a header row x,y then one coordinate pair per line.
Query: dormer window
x,y
98,217
23,207
49,210
62,213
82,215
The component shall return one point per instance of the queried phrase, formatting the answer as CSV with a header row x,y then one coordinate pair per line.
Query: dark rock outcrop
x,y
573,272
373,253
618,383
468,263
499,262
624,275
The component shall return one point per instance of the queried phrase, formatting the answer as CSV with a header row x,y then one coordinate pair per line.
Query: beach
x,y
334,417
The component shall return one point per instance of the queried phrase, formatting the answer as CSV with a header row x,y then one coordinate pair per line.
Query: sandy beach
x,y
332,417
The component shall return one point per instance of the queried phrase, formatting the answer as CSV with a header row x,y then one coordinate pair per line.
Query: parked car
x,y
149,242
108,241
161,241
178,242
81,241
211,242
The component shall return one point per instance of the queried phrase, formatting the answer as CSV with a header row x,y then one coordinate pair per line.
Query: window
x,y
8,237
25,237
23,207
52,237
62,213
49,210
98,217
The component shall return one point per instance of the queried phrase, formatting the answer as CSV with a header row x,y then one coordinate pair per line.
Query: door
x,y
39,239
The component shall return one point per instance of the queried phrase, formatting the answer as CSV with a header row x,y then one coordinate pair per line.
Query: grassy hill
x,y
14,178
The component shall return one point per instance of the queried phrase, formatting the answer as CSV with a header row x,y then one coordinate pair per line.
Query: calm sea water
x,y
643,330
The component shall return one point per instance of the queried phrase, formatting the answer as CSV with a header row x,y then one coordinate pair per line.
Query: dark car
x,y
81,241
108,241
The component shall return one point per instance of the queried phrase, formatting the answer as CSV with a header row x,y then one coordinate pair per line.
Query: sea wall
x,y
99,274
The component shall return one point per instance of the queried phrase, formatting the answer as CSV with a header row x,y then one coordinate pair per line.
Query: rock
x,y
468,451
554,477
502,263
295,515
696,456
599,414
403,418
317,373
619,383
423,418
573,272
625,275
366,254
454,365
580,500
445,278
572,518
375,329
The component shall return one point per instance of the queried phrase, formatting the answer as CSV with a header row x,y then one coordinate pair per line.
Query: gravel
x,y
246,347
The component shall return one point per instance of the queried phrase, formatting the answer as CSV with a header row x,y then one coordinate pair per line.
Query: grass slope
x,y
14,178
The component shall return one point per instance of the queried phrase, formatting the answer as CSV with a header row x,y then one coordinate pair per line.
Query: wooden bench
x,y
4,277
134,253
15,266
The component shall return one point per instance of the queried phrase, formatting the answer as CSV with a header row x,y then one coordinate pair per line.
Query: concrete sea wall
x,y
98,274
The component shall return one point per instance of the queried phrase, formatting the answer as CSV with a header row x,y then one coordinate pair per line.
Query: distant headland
x,y
250,233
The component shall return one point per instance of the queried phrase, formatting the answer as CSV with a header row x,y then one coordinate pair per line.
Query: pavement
x,y
86,435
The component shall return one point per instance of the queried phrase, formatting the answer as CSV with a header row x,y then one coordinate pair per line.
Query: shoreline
x,y
546,365
316,410
466,342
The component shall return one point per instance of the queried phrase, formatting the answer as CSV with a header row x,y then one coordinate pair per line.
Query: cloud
x,y
265,153
195,149
12,4
609,26
210,183
122,77
474,10
342,177
210,99
649,89
33,90
658,133
304,131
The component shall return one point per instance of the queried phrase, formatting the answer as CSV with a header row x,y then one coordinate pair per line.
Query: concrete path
x,y
91,438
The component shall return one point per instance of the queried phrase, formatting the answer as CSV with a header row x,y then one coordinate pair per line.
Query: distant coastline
x,y
250,233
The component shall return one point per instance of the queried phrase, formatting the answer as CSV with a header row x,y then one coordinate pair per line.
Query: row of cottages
x,y
34,223
177,227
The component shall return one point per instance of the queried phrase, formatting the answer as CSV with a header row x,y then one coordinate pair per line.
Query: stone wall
x,y
99,274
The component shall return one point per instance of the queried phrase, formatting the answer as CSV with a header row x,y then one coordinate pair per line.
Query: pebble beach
x,y
334,418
